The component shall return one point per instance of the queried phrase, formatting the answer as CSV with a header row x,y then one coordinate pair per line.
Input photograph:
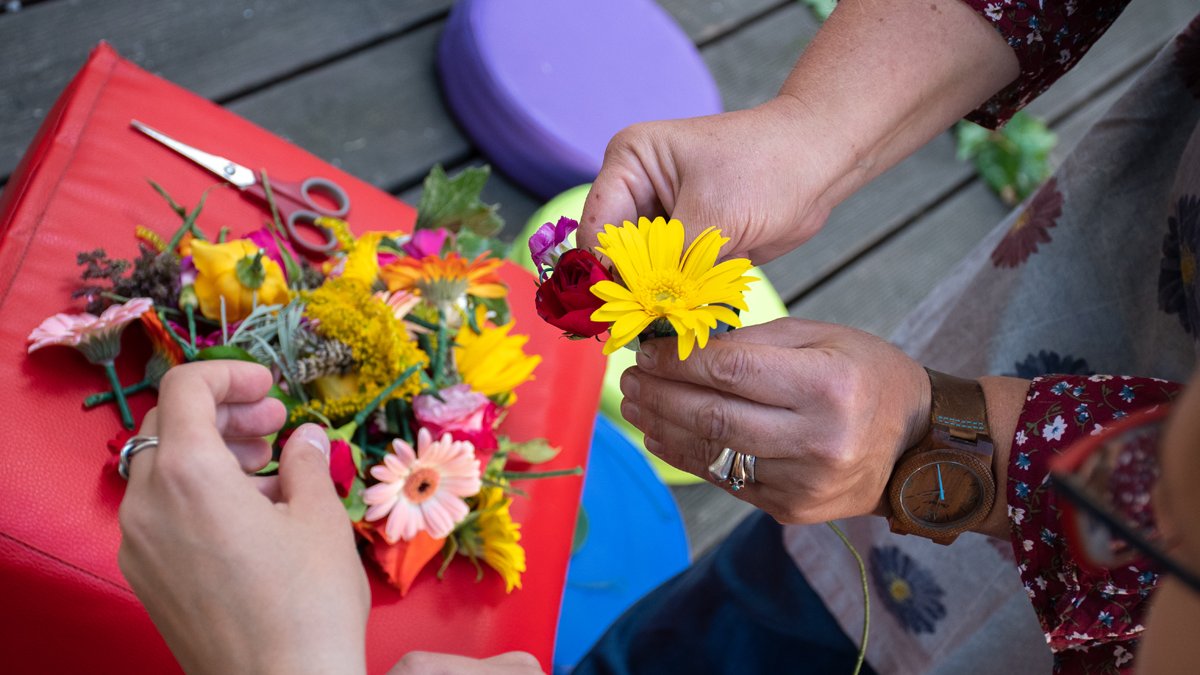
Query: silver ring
x,y
719,469
737,479
132,447
750,461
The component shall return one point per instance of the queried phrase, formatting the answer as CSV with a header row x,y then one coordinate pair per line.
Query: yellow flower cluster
x,y
346,310
493,362
500,537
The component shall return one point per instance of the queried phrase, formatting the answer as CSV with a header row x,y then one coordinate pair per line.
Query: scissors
x,y
294,200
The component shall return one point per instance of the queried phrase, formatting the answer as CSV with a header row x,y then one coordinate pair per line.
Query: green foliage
x,y
582,528
356,508
453,203
250,271
229,352
821,8
535,452
1013,160
471,246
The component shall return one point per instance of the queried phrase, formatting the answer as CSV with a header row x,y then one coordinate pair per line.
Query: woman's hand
x,y
826,409
428,663
235,581
749,173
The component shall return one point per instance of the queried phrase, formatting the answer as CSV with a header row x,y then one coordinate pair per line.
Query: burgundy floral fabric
x,y
1091,620
1049,37
1031,228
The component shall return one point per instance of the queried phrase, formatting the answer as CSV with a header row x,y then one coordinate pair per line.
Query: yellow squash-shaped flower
x,y
662,281
217,277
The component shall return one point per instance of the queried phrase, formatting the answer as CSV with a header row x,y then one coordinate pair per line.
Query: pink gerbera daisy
x,y
98,337
423,490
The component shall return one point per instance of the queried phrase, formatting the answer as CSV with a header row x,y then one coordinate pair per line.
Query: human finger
x,y
709,415
755,372
189,395
624,188
268,486
304,470
144,458
252,453
243,420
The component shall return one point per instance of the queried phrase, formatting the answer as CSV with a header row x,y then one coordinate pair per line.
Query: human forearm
x,y
1005,398
881,79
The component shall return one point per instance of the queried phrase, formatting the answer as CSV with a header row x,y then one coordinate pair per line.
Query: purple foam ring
x,y
541,86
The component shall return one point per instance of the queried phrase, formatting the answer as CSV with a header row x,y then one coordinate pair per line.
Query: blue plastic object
x,y
635,542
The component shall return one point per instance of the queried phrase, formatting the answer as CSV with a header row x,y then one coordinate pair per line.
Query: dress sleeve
x,y
1049,37
1091,620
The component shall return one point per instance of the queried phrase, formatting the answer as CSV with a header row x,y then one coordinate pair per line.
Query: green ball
x,y
764,302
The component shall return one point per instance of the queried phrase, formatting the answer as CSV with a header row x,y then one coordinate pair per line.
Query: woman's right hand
x,y
747,172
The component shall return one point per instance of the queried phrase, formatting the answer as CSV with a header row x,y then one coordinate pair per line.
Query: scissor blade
x,y
231,171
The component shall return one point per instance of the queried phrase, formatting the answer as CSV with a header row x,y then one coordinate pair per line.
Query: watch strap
x,y
958,406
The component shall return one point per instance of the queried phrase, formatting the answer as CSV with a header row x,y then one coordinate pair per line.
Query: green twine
x,y
862,573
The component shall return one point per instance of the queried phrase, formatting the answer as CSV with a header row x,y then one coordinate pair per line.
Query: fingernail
x,y
646,355
653,445
314,435
630,412
630,385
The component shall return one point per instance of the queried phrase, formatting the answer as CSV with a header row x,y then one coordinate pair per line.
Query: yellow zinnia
x,y
662,281
492,361
217,277
500,537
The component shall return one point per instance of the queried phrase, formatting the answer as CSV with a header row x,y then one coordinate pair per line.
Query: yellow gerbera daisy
x,y
662,281
500,537
492,361
445,279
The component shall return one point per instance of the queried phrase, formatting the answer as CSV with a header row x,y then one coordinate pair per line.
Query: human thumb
x,y
304,467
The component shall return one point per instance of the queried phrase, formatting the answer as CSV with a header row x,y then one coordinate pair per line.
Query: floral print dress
x,y
1095,273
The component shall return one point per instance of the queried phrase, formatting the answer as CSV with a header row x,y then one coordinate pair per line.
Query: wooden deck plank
x,y
706,20
216,48
932,173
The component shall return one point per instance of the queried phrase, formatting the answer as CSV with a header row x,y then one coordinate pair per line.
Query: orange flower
x,y
443,280
164,345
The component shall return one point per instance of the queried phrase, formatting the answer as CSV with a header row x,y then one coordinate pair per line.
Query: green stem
x,y
862,573
524,475
106,396
115,383
122,298
361,418
420,322
189,352
191,318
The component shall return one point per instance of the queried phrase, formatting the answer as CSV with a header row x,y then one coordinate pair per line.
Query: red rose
x,y
341,467
565,300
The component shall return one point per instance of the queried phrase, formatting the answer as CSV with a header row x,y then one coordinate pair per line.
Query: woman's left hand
x,y
236,581
826,409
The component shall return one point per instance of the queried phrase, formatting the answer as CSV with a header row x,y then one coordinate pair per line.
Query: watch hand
x,y
941,490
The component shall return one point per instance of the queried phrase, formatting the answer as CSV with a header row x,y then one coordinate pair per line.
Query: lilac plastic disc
x,y
542,85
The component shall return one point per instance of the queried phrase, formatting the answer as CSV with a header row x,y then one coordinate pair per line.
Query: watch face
x,y
942,493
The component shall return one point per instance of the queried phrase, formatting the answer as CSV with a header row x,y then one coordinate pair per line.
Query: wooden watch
x,y
945,485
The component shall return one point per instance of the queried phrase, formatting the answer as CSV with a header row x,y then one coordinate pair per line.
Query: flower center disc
x,y
421,485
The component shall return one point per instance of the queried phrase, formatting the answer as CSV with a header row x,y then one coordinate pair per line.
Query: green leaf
x,y
1013,160
356,508
534,452
453,203
821,8
250,271
582,528
285,398
218,352
471,245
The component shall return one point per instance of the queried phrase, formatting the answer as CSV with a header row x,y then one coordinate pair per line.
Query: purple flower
x,y
263,239
187,271
425,243
549,242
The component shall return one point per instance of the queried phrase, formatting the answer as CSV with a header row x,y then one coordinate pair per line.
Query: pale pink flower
x,y
423,490
98,337
402,303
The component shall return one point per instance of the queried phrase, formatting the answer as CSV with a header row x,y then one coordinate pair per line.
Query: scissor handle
x,y
308,219
330,190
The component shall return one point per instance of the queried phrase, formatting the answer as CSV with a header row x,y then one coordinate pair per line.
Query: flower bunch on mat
x,y
401,345
653,286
